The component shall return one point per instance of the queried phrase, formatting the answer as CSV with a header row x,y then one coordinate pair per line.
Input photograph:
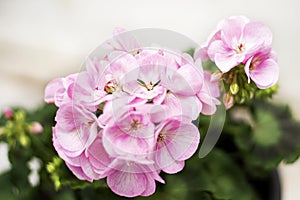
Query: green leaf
x,y
210,66
190,51
219,174
275,137
266,131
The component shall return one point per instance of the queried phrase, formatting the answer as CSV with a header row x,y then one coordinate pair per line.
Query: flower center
x,y
135,125
254,63
136,52
240,48
162,136
110,86
129,163
150,86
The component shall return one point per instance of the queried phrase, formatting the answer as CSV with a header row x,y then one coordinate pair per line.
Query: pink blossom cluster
x,y
128,116
237,40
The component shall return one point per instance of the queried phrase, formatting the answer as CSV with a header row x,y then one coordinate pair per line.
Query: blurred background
x,y
44,39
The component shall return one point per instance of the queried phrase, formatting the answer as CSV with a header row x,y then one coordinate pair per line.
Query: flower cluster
x,y
240,43
128,116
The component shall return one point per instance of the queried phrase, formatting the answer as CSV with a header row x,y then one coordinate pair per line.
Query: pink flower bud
x,y
36,128
216,77
8,113
228,101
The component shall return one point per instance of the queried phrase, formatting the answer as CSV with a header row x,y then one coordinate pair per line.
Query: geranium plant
x,y
146,120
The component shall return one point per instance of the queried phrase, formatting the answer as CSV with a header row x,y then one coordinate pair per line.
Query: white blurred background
x,y
44,39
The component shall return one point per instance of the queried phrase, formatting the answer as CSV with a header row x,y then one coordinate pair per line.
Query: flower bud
x,y
228,101
216,77
234,88
50,167
24,140
35,127
20,116
8,113
57,183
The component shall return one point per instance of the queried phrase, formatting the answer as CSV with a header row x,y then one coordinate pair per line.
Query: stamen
x,y
135,125
162,137
240,48
110,86
149,86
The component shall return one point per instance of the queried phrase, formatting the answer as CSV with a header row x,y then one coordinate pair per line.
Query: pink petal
x,y
59,91
72,141
208,103
211,84
201,52
228,61
51,89
98,157
125,41
190,106
73,160
156,112
224,57
128,184
166,162
65,117
247,68
266,74
118,142
232,31
187,80
78,172
150,187
257,34
184,141
88,169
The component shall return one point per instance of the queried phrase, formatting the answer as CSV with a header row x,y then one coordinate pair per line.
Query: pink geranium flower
x,y
103,78
263,68
177,141
8,113
75,130
131,134
147,85
239,40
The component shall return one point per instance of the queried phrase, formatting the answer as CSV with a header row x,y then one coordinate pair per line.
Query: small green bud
x,y
24,140
242,100
50,167
234,88
251,94
57,183
20,115
57,161
245,95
